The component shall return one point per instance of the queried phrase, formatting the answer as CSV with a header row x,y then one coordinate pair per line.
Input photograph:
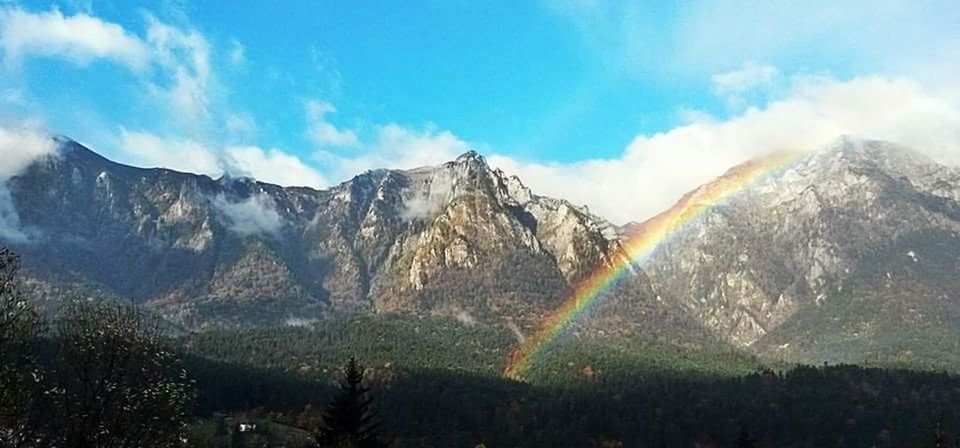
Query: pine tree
x,y
350,420
939,438
220,433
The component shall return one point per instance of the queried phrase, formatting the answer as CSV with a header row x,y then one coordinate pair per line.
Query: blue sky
x,y
617,105
494,74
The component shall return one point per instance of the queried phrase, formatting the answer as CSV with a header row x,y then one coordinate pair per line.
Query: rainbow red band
x,y
637,247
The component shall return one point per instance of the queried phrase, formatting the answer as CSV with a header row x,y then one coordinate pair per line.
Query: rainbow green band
x,y
638,246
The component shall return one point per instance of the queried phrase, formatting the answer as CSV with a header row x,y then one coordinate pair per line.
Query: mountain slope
x,y
822,261
851,254
457,239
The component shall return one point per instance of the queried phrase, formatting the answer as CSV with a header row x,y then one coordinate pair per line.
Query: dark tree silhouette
x,y
744,440
939,437
19,376
350,419
220,432
118,385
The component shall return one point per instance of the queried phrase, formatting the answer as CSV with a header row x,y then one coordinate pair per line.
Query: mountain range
x,y
851,254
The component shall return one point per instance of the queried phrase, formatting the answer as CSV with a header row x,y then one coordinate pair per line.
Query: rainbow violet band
x,y
637,247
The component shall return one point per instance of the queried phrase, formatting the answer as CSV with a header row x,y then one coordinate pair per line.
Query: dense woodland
x,y
107,375
657,396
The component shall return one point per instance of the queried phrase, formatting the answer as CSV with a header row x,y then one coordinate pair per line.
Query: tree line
x,y
106,376
110,375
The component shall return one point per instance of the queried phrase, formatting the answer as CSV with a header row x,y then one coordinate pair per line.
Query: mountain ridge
x,y
466,241
804,236
370,243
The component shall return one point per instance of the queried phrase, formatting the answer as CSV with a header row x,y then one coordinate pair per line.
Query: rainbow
x,y
643,240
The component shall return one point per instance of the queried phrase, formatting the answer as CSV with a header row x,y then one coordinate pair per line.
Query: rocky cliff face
x,y
850,254
847,228
459,238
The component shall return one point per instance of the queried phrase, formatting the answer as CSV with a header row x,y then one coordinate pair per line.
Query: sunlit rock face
x,y
232,251
826,259
822,234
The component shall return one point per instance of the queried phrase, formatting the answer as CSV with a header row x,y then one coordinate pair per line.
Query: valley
x,y
434,277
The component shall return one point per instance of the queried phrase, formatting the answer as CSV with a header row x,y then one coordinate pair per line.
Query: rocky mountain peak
x,y
76,153
803,236
479,209
831,248
235,251
881,156
829,251
471,157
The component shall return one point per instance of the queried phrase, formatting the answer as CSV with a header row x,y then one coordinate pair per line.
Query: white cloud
x,y
149,150
392,146
701,37
256,215
409,148
11,229
884,35
240,125
324,133
735,85
173,63
655,170
437,194
19,147
80,38
344,154
185,56
181,80
396,147
273,166
687,115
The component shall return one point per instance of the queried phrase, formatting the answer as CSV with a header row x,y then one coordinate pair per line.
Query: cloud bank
x,y
273,166
655,170
19,146
149,150
707,40
256,215
267,165
173,63
323,132
703,37
431,201
738,86
396,147
80,38
183,57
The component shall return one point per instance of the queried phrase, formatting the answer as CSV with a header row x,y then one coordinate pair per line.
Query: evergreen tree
x,y
939,438
350,420
220,432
